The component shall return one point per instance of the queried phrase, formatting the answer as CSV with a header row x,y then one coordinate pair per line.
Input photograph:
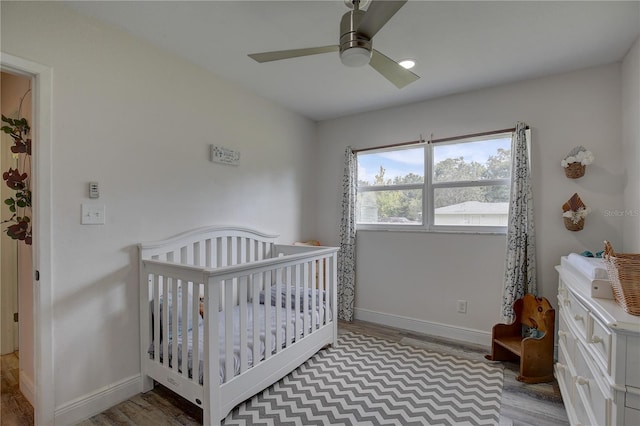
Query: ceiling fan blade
x,y
390,70
378,13
293,53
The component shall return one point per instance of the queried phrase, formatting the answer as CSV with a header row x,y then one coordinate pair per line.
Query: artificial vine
x,y
18,179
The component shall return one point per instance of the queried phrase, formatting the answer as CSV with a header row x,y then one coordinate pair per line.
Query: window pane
x,y
466,161
471,206
392,207
391,167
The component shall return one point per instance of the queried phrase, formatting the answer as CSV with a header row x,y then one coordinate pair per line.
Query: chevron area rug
x,y
371,381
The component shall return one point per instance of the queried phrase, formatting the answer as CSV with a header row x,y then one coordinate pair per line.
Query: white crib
x,y
265,295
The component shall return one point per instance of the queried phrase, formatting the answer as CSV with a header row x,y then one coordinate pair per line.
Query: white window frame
x,y
428,190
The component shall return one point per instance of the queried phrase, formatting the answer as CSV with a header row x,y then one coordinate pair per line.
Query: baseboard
x,y
96,402
453,332
27,387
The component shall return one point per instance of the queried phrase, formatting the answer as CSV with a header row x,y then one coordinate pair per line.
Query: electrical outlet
x,y
462,306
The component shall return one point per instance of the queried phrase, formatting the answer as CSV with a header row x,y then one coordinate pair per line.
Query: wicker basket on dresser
x,y
598,368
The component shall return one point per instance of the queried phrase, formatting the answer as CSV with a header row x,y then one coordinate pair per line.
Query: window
x,y
460,185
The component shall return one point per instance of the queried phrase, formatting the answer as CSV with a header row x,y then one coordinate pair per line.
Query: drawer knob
x,y
562,333
596,339
582,380
561,366
578,317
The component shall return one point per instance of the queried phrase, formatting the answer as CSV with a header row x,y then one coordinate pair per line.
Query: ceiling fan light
x,y
355,56
407,64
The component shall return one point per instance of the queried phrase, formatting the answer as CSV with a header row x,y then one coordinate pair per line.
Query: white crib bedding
x,y
315,317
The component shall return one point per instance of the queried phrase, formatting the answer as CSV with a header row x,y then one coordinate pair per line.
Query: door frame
x,y
44,384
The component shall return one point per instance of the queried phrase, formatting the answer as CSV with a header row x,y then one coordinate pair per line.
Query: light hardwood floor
x,y
15,409
522,404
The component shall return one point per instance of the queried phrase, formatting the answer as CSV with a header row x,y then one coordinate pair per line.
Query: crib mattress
x,y
314,317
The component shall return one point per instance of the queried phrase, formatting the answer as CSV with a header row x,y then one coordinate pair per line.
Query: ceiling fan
x,y
357,29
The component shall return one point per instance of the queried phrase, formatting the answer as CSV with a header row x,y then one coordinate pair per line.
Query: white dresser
x,y
598,366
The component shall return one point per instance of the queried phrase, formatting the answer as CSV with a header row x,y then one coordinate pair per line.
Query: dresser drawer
x,y
631,416
564,374
593,401
577,315
565,337
600,342
633,362
632,399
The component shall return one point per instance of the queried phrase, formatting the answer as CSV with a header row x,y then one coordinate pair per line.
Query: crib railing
x,y
214,251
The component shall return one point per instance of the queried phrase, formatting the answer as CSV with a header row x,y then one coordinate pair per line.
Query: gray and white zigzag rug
x,y
370,381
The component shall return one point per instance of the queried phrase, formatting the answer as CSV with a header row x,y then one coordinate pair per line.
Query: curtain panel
x,y
520,267
347,253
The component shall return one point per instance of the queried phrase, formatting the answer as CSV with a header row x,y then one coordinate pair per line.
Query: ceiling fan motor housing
x,y
355,49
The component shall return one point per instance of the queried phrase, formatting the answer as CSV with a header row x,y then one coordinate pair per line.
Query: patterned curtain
x,y
520,268
347,253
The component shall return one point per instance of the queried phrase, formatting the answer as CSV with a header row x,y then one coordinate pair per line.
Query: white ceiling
x,y
458,46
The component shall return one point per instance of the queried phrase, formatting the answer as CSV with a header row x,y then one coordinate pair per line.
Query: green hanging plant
x,y
20,204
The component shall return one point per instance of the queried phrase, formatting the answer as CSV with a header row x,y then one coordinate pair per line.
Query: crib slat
x,y
313,285
242,297
157,282
259,251
184,330
334,295
257,284
278,308
296,305
228,330
305,298
165,321
321,294
253,250
287,307
174,324
267,316
195,331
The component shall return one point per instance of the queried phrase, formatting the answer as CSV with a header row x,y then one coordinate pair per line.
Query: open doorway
x,y
41,77
16,278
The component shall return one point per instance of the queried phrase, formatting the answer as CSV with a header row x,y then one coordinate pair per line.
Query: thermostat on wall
x,y
222,155
94,191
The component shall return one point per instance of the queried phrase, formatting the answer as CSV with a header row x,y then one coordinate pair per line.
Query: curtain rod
x,y
452,138
393,145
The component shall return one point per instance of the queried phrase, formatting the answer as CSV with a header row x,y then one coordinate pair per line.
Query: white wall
x,y
415,279
631,146
139,122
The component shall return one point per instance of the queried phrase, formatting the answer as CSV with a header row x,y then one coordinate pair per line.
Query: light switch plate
x,y
93,214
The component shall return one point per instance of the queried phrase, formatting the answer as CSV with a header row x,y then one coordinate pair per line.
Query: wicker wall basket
x,y
624,274
568,223
575,170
